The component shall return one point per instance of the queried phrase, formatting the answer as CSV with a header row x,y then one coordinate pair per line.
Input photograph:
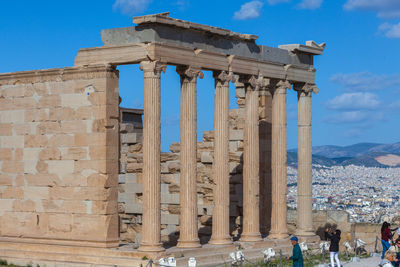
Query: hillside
x,y
362,154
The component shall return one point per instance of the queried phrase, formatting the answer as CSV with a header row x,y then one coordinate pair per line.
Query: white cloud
x,y
366,81
131,7
354,102
384,8
274,2
390,30
249,10
310,4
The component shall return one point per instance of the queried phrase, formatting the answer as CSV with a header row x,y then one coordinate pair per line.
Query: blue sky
x,y
358,75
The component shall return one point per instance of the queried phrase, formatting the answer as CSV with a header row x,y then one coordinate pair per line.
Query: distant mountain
x,y
362,154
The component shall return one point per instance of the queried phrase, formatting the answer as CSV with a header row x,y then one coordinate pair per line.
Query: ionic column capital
x,y
305,89
279,86
153,68
255,82
189,72
223,76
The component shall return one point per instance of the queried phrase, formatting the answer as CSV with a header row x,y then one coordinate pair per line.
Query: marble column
x,y
304,165
265,160
220,219
188,156
278,165
251,183
151,229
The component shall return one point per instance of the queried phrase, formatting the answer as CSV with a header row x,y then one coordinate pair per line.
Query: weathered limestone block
x,y
132,207
85,113
6,153
75,100
12,116
207,157
6,180
208,136
236,135
169,157
131,178
134,167
174,209
12,167
39,179
236,157
83,193
205,146
102,180
12,141
174,147
25,128
61,167
35,141
51,153
125,128
59,140
174,166
6,205
133,188
49,101
169,219
73,127
135,147
164,169
131,138
54,114
170,198
5,129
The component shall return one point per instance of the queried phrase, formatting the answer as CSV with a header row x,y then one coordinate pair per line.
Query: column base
x,y
221,241
309,239
151,248
300,232
188,244
278,235
250,237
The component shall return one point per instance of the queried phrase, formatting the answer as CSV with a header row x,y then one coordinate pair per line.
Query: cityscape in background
x,y
364,182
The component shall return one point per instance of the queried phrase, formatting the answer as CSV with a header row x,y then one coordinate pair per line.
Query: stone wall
x,y
58,156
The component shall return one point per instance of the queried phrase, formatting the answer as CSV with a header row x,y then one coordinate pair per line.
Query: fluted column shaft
x,y
151,229
279,162
304,165
251,183
220,219
188,156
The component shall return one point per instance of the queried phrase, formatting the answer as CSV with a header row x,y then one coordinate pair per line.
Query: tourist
x,y
389,258
297,257
334,247
395,248
386,236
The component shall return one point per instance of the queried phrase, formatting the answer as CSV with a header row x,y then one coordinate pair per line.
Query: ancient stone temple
x,y
62,144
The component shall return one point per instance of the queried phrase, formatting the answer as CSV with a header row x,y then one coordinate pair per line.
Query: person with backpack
x,y
334,247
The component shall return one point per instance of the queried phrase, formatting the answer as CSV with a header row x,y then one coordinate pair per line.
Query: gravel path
x,y
368,262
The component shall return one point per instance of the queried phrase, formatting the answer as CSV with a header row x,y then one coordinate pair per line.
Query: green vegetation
x,y
4,263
